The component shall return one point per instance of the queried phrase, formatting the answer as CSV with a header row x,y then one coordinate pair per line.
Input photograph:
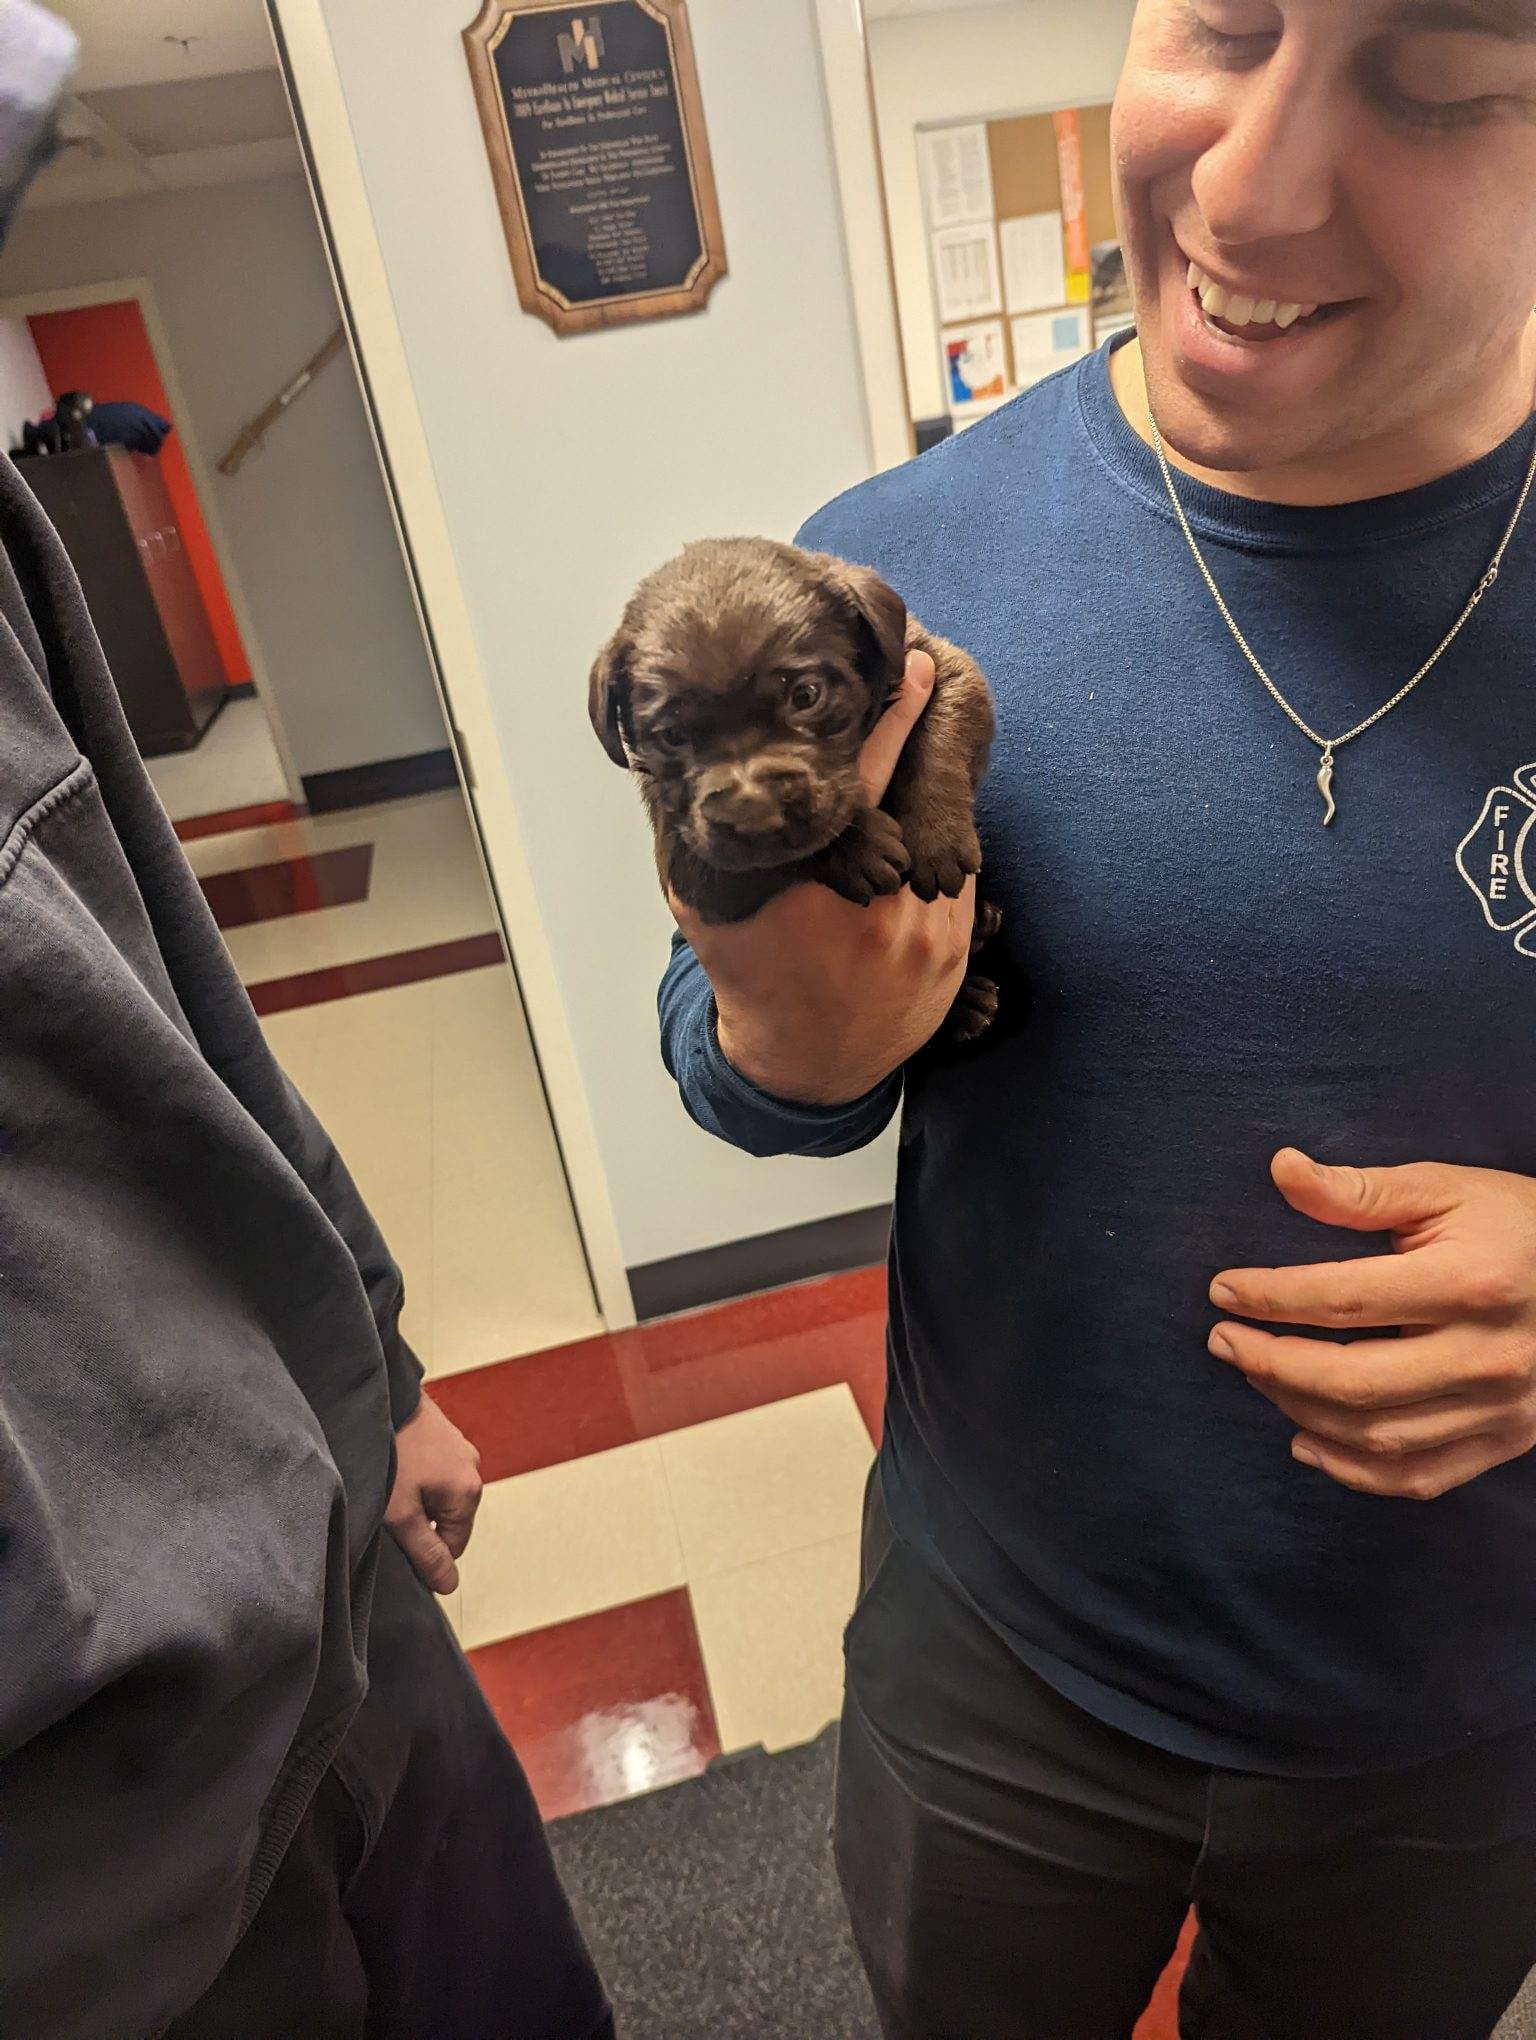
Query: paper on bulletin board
x,y
1046,341
1034,272
957,175
975,371
965,273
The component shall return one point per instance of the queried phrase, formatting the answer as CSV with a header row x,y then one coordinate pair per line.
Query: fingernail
x,y
1224,1296
1301,1450
1221,1346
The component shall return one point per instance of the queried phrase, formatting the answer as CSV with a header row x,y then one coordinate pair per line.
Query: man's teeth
x,y
1237,310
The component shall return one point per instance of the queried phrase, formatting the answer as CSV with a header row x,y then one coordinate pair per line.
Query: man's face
x,y
1373,158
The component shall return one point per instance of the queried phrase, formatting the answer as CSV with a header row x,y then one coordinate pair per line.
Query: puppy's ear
x,y
608,696
882,617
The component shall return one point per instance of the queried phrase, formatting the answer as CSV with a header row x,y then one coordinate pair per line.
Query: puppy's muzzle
x,y
757,812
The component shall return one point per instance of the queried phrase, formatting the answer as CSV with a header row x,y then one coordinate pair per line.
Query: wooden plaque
x,y
595,131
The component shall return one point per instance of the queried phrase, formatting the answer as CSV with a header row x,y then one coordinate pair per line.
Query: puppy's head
x,y
743,681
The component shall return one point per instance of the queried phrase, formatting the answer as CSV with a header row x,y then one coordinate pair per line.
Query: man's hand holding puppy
x,y
820,1000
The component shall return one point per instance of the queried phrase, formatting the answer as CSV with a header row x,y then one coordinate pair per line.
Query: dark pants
x,y
418,1900
1016,1870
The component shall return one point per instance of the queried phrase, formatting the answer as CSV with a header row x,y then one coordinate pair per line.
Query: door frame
x,y
338,190
139,290
850,91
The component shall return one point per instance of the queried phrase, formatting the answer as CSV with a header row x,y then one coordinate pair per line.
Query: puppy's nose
x,y
745,800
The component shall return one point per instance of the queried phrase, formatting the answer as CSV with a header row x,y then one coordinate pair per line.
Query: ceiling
x,y
140,42
168,93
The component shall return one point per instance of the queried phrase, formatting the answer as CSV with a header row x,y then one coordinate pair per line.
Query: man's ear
x,y
882,617
608,696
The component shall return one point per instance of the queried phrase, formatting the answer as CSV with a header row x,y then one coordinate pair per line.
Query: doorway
x,y
169,264
111,337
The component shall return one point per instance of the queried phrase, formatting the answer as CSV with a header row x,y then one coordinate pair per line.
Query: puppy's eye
x,y
670,738
806,694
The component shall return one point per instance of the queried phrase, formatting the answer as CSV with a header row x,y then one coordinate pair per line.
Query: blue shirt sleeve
x,y
722,1101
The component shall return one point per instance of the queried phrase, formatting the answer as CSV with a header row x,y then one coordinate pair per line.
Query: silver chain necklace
x,y
1329,746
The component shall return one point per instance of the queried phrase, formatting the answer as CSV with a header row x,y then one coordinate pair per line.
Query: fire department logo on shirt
x,y
1497,858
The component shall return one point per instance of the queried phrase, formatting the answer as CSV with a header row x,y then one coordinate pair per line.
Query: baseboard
x,y
243,690
389,779
827,1246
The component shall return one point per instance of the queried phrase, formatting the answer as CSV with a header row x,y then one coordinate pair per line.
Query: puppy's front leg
x,y
868,860
933,790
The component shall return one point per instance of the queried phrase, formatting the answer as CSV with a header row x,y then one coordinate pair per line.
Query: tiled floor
x,y
643,1595
235,765
430,1092
368,945
667,1551
425,887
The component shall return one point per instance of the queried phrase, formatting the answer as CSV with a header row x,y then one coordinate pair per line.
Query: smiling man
x,y
1201,1563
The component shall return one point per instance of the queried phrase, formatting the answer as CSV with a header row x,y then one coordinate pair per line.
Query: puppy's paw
x,y
989,925
868,861
942,864
974,1010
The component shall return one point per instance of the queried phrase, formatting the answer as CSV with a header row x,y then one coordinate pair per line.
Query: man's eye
x,y
1447,79
1437,114
1426,96
1240,41
806,694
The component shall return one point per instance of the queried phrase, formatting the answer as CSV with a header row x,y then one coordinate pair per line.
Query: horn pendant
x,y
1325,785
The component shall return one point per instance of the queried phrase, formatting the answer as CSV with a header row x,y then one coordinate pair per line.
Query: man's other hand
x,y
437,1491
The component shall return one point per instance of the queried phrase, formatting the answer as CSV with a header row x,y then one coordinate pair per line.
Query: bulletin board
x,y
1023,248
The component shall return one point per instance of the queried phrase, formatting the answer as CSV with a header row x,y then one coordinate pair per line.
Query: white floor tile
x,y
569,1540
510,1274
433,1100
364,1066
771,1635
768,1481
236,765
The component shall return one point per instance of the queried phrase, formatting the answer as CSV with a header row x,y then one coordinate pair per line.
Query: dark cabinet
x,y
111,509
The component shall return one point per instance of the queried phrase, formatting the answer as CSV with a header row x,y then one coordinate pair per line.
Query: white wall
x,y
1028,57
566,468
24,392
239,276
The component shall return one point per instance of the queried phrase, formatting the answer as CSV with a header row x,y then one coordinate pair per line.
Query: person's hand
x,y
820,1000
1455,1394
436,1493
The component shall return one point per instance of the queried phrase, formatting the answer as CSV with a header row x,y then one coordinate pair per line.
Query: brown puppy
x,y
739,688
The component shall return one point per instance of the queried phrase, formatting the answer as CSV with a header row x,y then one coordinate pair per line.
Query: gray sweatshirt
x,y
199,1371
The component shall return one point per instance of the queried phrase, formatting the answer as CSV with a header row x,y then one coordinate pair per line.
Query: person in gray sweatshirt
x,y
248,1785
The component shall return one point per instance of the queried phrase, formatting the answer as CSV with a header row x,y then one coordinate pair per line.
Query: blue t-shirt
x,y
1195,972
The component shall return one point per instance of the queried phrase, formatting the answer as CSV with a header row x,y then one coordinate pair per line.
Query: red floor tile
x,y
604,1707
1160,2021
375,973
574,1400
541,1410
292,885
227,820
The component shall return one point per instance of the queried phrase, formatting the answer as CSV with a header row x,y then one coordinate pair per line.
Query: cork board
x,y
1024,158
1025,175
